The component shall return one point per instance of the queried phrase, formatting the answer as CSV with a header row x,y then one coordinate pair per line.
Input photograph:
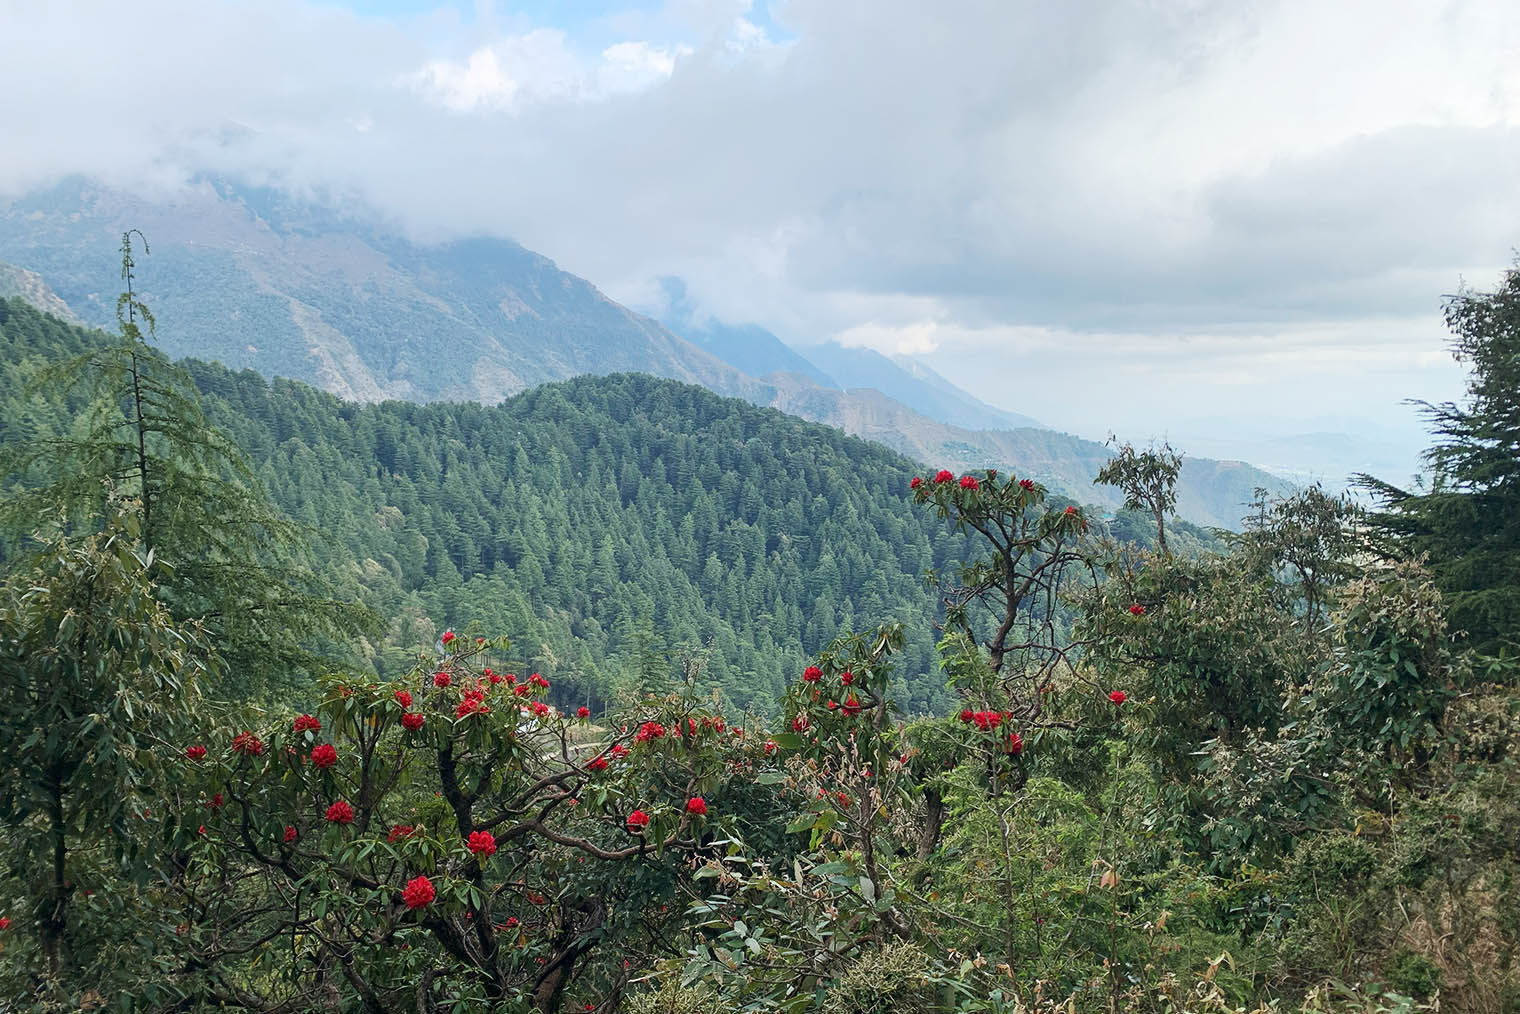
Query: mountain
x,y
1209,491
913,384
29,286
748,348
254,278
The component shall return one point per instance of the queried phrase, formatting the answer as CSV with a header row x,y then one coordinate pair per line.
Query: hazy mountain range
x,y
254,278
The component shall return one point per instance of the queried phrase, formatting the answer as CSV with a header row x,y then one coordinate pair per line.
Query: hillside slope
x,y
253,278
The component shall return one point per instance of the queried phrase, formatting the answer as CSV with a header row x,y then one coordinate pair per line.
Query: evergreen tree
x,y
1468,521
237,563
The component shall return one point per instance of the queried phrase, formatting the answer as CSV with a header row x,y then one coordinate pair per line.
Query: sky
x,y
1216,218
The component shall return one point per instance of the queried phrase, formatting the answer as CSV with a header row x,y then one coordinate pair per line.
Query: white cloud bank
x,y
1106,213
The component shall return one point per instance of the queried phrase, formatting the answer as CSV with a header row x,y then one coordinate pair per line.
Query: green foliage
x,y
239,566
97,678
1467,523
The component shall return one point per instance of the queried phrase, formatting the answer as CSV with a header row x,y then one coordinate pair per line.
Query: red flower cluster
x,y
638,820
983,720
800,723
404,698
770,746
324,755
649,731
482,843
969,482
915,482
195,752
411,721
1026,484
619,751
306,722
697,805
474,703
582,712
540,709
290,834
538,681
1118,696
216,802
1137,609
418,892
597,763
851,706
399,831
1071,510
247,743
812,674
441,679
340,813
495,678
847,677
943,475
5,922
448,638
1015,744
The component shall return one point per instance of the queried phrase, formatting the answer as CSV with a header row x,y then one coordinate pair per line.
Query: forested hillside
x,y
609,525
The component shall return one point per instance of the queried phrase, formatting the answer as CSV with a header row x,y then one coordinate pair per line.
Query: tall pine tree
x,y
1468,520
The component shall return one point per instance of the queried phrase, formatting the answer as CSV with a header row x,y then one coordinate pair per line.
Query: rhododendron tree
x,y
392,852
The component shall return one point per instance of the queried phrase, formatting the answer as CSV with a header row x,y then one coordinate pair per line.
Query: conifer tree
x,y
1468,521
234,562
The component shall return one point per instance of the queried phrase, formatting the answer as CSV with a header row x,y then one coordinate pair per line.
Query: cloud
x,y
1193,192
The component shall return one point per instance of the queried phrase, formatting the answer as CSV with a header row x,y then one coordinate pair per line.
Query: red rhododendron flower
x,y
582,712
649,731
1026,484
812,674
340,813
638,820
247,743
441,679
482,843
404,698
511,921
418,892
540,709
969,482
619,750
800,723
844,800
305,722
1137,610
324,755
521,690
493,677
852,706
195,752
943,475
538,681
411,720
448,638
1015,743
5,922
399,831
770,746
290,834
718,727
915,482
1071,510
847,677
597,763
966,715
697,805
216,802
1118,696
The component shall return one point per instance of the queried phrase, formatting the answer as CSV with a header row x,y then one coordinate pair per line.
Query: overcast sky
x,y
1128,215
